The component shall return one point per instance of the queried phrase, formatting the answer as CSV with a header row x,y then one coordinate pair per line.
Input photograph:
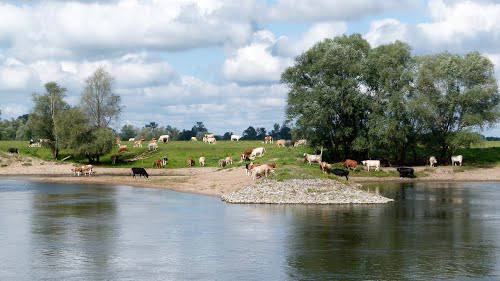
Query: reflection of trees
x,y
73,227
430,234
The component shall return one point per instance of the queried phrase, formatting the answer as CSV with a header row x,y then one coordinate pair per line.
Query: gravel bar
x,y
310,191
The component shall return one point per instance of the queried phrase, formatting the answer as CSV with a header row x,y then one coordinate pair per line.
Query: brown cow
x,y
190,161
246,155
352,164
325,167
122,149
280,143
268,139
158,164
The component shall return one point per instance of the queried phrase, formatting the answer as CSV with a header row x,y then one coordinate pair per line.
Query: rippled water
x,y
89,232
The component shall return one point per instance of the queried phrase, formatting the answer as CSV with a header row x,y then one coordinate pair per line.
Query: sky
x,y
176,62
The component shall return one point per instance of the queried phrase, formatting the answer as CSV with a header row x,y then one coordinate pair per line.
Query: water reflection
x,y
426,233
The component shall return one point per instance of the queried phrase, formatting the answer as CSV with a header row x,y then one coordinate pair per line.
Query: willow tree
x,y
98,101
456,97
47,107
326,98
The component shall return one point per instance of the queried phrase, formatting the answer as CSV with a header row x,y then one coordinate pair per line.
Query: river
x,y
92,232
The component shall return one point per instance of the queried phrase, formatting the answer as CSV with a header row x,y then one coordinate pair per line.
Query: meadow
x,y
289,159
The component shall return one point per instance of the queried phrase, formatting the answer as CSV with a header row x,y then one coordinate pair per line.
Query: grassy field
x,y
289,160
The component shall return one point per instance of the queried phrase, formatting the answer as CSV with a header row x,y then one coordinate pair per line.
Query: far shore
x,y
208,181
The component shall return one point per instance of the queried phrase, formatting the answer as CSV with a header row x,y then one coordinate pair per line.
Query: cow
x,y
211,140
313,158
262,170
34,144
131,139
158,163
341,173
194,139
164,161
259,151
249,167
209,136
138,143
457,160
122,149
87,170
371,163
229,160
77,171
139,171
300,142
164,138
325,167
190,162
289,143
432,161
406,172
235,137
222,163
13,150
350,164
202,161
152,146
280,143
246,155
268,139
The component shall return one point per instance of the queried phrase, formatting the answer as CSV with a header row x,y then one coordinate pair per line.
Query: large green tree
x,y
47,107
325,94
456,96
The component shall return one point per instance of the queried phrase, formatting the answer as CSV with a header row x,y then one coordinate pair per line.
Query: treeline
x,y
153,130
363,102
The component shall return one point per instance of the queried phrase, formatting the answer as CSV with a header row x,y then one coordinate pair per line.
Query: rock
x,y
309,191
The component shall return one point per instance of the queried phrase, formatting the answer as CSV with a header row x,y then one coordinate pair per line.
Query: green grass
x,y
289,160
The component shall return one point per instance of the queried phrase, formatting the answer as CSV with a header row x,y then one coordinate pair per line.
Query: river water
x,y
91,232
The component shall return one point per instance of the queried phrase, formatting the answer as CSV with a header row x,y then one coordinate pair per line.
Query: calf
x,y
457,160
164,161
246,155
158,164
406,172
325,167
190,162
222,163
350,164
371,163
13,150
152,146
229,160
341,173
432,161
139,171
138,143
202,161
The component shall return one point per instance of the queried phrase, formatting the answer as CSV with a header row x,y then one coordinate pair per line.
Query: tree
x,y
285,132
98,101
42,120
227,136
152,125
275,132
261,133
172,132
249,134
186,135
326,97
455,96
128,131
198,128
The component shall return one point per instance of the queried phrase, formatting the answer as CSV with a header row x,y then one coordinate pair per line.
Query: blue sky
x,y
176,62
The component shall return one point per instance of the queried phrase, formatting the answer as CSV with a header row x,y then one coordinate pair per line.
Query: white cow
x,y
455,159
152,146
194,139
202,161
432,161
164,138
131,139
372,163
259,151
235,137
211,140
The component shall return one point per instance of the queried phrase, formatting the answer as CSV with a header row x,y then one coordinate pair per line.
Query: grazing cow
x,y
87,170
211,140
300,142
457,160
158,163
152,146
246,154
229,160
138,143
350,164
258,171
122,149
235,137
268,139
164,161
289,143
341,173
34,144
139,171
432,161
371,163
131,139
222,163
313,158
325,167
194,139
259,151
406,172
77,171
164,138
202,161
209,136
190,162
281,143
13,150
249,168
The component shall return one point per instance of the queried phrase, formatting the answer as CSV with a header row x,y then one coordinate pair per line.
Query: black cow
x,y
406,172
140,172
341,173
13,150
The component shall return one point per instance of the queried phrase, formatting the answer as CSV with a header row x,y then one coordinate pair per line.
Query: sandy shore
x,y
207,181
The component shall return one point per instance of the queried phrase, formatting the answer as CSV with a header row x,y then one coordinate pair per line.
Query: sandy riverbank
x,y
207,181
